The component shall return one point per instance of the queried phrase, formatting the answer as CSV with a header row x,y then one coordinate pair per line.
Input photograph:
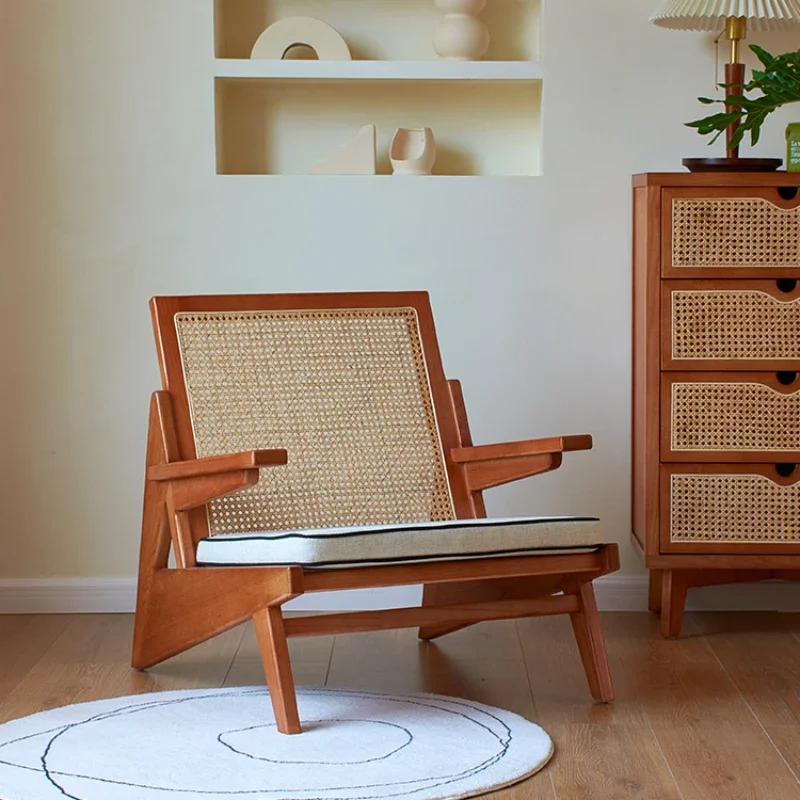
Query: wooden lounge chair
x,y
310,443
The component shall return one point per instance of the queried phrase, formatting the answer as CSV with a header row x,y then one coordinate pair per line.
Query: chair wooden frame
x,y
183,606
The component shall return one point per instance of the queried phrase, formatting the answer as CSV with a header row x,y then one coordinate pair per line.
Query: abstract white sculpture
x,y
355,157
287,33
413,151
461,36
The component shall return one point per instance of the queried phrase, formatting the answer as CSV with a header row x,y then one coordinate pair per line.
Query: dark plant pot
x,y
732,164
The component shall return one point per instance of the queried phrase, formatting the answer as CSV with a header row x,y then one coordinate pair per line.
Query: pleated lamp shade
x,y
711,15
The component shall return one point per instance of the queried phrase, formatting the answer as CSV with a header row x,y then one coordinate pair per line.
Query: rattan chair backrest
x,y
347,391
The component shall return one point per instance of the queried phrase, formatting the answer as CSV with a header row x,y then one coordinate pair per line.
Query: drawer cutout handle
x,y
786,378
785,470
788,192
786,285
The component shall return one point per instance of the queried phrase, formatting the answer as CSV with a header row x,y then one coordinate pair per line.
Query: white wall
x,y
109,195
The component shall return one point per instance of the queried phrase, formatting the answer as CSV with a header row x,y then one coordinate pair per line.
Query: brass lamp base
x,y
732,164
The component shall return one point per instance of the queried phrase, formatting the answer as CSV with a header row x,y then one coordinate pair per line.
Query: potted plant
x,y
778,83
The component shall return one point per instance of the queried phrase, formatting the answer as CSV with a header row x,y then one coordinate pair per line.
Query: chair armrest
x,y
491,465
217,465
531,447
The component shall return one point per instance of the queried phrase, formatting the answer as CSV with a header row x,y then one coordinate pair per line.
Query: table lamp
x,y
734,18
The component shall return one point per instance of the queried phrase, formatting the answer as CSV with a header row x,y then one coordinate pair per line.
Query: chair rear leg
x,y
526,588
441,594
589,635
277,668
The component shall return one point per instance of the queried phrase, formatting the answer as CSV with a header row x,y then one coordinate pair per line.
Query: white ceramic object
x,y
357,156
413,151
461,36
287,33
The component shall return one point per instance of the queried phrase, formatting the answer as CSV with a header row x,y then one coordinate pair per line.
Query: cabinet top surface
x,y
722,179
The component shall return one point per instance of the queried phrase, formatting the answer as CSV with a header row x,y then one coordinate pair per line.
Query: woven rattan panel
x,y
725,232
734,325
733,417
733,508
346,393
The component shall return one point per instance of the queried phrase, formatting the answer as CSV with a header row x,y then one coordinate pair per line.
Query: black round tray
x,y
732,164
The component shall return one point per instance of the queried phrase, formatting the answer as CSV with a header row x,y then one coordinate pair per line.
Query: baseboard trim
x,y
614,593
67,595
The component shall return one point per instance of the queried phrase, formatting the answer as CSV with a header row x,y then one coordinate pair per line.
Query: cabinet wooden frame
x,y
676,568
645,417
180,607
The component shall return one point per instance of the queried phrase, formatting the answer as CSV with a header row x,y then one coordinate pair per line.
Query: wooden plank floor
x,y
715,714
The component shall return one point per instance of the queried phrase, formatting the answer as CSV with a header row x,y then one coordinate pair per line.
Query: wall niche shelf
x,y
293,69
279,117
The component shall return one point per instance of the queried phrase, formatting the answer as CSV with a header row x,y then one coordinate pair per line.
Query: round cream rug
x,y
222,744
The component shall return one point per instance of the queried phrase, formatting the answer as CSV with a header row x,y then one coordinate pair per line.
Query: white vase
x,y
413,151
460,36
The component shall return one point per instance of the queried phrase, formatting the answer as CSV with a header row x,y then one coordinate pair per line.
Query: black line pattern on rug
x,y
443,780
326,763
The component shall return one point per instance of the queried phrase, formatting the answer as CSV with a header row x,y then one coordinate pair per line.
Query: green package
x,y
793,147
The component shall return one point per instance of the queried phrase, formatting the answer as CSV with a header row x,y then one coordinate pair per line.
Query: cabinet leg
x,y
656,581
673,600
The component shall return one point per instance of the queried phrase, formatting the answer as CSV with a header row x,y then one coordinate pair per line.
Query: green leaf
x,y
763,56
777,85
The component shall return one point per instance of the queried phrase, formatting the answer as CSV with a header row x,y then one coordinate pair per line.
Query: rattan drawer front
x,y
753,232
731,324
721,508
731,417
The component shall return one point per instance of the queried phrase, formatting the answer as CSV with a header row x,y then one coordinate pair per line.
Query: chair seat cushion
x,y
409,542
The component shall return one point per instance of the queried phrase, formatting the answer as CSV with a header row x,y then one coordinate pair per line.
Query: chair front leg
x,y
589,635
277,668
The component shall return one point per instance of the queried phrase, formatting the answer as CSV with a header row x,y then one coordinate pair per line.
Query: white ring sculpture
x,y
287,33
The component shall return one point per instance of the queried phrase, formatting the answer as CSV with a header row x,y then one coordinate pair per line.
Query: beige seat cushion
x,y
411,542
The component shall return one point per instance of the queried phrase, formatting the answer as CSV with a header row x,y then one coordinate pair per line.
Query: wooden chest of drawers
x,y
716,381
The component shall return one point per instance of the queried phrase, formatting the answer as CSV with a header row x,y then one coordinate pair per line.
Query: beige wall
x,y
109,196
